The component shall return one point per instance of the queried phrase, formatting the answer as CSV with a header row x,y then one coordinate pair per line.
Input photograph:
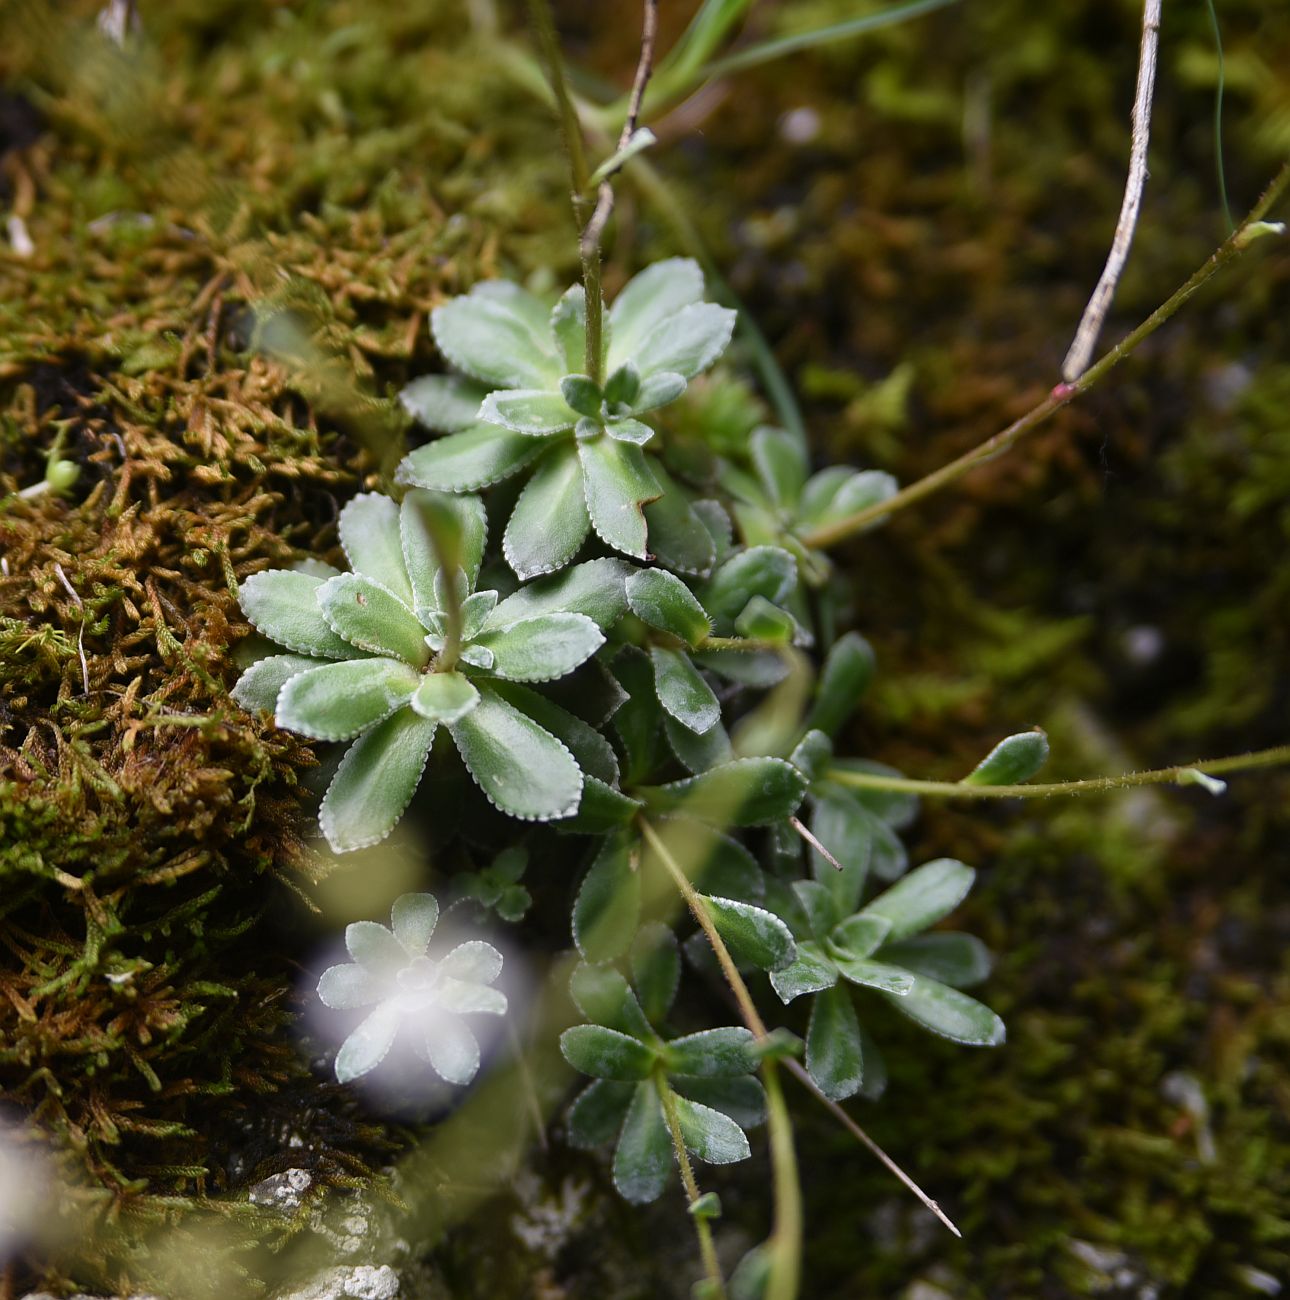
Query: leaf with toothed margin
x,y
549,522
658,390
603,809
629,430
656,969
283,606
688,342
375,781
768,571
811,971
746,792
369,536
441,532
781,464
712,1053
490,339
590,750
596,588
648,299
542,648
536,413
443,403
607,1054
522,768
583,395
678,536
855,492
617,483
643,1161
682,691
1011,761
752,933
949,1013
959,960
372,618
569,329
848,669
698,753
444,697
337,701
475,458
607,908
710,1135
597,1114
258,687
663,601
834,1052
922,897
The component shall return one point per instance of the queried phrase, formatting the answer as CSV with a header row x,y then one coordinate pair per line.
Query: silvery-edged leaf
x,y
534,412
649,299
374,947
834,1051
768,571
959,960
569,329
781,465
372,618
712,1053
603,809
682,691
606,1054
597,1114
590,750
475,612
413,918
762,621
622,387
679,536
369,536
348,987
258,687
375,782
337,701
473,962
605,998
923,897
713,1137
451,1049
759,669
747,792
819,908
698,753
847,672
643,1159
607,908
857,491
617,483
951,1014
625,429
657,390
811,971
476,458
663,601
595,588
846,830
752,933
464,999
283,605
522,769
688,342
812,754
441,533
368,1045
875,975
542,648
582,394
443,403
549,522
861,936
739,1096
1011,761
491,338
656,969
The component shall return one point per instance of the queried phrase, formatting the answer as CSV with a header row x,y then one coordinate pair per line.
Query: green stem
x,y
786,1237
544,24
701,1226
1006,439
1091,785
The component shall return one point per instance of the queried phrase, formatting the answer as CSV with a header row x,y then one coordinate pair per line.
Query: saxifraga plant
x,y
619,649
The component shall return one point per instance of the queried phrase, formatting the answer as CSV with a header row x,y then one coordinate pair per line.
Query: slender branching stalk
x,y
1178,775
707,1249
1006,439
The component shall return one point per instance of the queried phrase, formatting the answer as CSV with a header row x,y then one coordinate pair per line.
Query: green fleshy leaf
x,y
637,142
542,648
649,299
628,430
836,500
597,1114
606,1054
569,329
368,1045
283,606
682,691
781,465
712,1053
602,809
812,754
489,338
369,536
923,897
658,390
895,808
643,1160
875,974
605,998
951,1014
860,936
445,697
582,395
834,1054
550,522
637,719
656,969
663,601
708,1206
373,618
596,588
607,909
752,933
767,571
339,700
846,831
698,753
819,908
688,342
713,1137
590,750
678,534
622,387
476,458
443,403
751,1278
762,621
257,689
959,960
441,533
375,781
1011,761
349,987
809,973
522,769
533,412
617,483
413,918
747,792
739,1096
758,669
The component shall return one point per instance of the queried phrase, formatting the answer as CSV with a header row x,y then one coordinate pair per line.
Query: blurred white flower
x,y
410,992
24,1191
